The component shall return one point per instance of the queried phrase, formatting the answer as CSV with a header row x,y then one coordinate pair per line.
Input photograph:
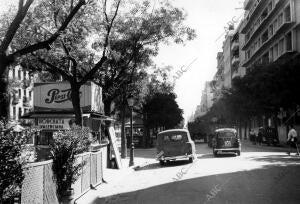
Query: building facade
x,y
237,54
271,30
21,92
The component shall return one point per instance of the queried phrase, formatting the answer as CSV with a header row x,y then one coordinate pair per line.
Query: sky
x,y
208,18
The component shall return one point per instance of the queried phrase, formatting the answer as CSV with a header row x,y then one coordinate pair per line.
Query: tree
x,y
135,40
163,111
80,51
11,49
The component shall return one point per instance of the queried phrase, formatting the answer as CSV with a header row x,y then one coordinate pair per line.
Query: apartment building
x,y
227,58
237,54
21,94
206,100
271,30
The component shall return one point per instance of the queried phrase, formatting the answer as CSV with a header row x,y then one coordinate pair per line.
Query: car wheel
x,y
238,153
215,153
191,159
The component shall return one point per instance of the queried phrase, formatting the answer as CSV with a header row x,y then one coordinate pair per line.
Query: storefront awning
x,y
53,114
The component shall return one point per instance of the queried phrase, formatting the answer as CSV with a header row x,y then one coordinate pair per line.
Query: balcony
x,y
15,100
247,4
235,46
235,61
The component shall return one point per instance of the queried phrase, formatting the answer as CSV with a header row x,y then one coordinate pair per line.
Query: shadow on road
x,y
157,165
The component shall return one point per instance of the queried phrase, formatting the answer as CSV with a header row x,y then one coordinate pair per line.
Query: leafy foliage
x,y
64,149
11,162
262,91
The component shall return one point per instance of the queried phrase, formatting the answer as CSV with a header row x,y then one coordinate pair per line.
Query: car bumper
x,y
187,156
228,149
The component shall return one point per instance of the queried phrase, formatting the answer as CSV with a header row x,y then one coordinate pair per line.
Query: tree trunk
x,y
107,108
123,135
4,99
75,96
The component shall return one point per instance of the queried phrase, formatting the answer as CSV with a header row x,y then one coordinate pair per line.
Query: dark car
x,y
225,140
269,136
175,144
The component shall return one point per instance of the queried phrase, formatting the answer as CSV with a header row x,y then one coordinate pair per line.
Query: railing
x,y
39,186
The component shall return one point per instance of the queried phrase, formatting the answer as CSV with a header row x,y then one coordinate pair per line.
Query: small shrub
x,y
66,145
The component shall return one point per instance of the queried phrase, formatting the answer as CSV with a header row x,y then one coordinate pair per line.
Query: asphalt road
x,y
260,175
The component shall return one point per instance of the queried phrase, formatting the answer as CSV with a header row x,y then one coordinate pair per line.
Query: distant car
x,y
175,144
225,140
269,136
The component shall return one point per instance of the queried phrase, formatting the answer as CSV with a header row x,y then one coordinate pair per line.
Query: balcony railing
x,y
235,61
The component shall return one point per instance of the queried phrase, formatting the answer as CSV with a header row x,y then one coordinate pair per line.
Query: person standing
x,y
260,135
292,140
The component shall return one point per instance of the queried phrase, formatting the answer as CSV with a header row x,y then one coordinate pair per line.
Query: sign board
x,y
56,96
114,141
54,123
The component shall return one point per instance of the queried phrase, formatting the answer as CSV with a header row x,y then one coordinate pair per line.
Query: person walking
x,y
252,136
260,135
292,140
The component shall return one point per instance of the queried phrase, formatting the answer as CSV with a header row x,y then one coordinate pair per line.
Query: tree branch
x,y
14,26
55,69
46,44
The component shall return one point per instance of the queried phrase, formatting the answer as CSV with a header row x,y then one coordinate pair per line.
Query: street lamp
x,y
130,101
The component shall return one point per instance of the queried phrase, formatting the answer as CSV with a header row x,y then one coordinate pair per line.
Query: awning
x,y
94,115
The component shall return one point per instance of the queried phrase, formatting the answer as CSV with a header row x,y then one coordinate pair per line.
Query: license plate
x,y
227,143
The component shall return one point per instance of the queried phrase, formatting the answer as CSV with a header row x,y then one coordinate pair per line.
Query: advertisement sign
x,y
57,97
54,123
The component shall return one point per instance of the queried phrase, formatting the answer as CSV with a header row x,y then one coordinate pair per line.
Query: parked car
x,y
269,136
225,140
175,144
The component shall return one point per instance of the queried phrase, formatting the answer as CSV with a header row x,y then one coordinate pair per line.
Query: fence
x,y
39,187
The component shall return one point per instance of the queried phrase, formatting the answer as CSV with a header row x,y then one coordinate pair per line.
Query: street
x,y
260,175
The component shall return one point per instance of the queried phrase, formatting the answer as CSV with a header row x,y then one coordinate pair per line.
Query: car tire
x,y
215,153
162,163
191,159
238,153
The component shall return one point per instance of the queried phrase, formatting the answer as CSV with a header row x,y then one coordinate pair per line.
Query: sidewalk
x,y
280,148
112,180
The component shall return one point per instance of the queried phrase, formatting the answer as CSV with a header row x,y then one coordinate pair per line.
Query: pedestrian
x,y
260,135
292,140
252,136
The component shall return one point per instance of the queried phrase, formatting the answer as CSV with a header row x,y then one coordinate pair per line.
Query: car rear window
x,y
225,134
175,137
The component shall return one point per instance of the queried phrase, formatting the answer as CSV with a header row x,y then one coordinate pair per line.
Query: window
x,y
19,74
287,14
19,93
14,73
281,47
271,54
24,74
264,37
265,58
176,137
275,25
24,91
14,112
30,94
280,20
288,41
271,30
20,112
264,14
275,51
270,6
